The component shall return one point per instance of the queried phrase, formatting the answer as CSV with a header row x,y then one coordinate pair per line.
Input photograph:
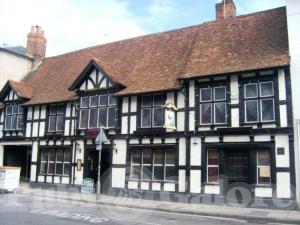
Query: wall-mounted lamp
x,y
114,147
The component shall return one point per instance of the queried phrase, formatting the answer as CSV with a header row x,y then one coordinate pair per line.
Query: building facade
x,y
228,82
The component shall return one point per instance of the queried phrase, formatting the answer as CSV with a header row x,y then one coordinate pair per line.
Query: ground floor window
x,y
153,165
55,162
263,167
212,166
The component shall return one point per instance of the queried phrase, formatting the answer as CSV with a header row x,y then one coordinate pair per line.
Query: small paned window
x,y
13,117
157,165
55,162
212,166
263,167
213,109
259,102
152,114
97,111
56,118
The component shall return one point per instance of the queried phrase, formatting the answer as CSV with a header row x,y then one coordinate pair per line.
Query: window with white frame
x,y
13,117
213,108
259,102
152,114
55,162
98,110
157,165
56,118
212,166
263,167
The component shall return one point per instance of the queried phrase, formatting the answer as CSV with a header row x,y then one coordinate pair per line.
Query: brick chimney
x,y
36,44
225,9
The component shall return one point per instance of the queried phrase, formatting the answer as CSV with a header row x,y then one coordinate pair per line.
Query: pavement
x,y
253,215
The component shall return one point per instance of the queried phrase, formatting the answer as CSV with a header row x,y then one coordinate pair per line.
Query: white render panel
x,y
192,93
41,179
145,186
67,127
34,154
119,156
260,138
65,180
195,181
124,124
42,129
195,156
43,112
11,94
182,152
49,179
93,76
235,117
33,172
283,185
211,139
180,121
29,113
281,85
1,154
180,100
36,114
2,116
169,187
90,85
82,87
234,89
145,141
132,124
156,186
56,180
269,125
125,105
133,107
282,141
133,184
263,192
103,83
192,120
68,110
283,116
35,129
133,141
118,178
212,189
170,140
181,181
157,141
236,138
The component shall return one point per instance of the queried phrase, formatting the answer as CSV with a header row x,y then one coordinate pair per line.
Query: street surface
x,y
17,209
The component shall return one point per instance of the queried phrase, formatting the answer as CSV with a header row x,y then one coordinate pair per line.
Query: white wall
x,y
12,67
293,16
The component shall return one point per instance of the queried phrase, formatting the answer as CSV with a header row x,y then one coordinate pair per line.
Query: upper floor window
x,y
213,109
56,118
13,117
98,110
152,114
259,102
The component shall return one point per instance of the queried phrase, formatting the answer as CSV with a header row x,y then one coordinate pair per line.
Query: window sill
x,y
152,181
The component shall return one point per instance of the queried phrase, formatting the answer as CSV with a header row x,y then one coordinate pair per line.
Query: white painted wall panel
x,y
68,110
42,129
258,138
182,152
35,129
236,138
119,157
195,155
132,124
180,121
1,154
124,125
281,85
29,113
133,107
43,112
36,113
211,139
283,115
133,184
180,100
34,154
235,117
171,97
125,105
195,181
156,186
212,189
234,89
33,169
263,192
118,178
181,181
192,120
145,186
192,93
282,141
169,187
283,185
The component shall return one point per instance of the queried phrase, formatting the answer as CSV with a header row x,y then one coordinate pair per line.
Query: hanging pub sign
x,y
170,115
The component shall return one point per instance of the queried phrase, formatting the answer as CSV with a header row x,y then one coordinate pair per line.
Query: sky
x,y
74,24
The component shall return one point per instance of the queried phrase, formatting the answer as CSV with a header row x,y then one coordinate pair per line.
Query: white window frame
x,y
211,113
146,164
152,115
225,113
245,95
168,165
211,94
265,96
151,108
135,164
219,100
158,165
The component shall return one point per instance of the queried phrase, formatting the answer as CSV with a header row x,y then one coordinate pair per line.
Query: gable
x,y
11,95
94,77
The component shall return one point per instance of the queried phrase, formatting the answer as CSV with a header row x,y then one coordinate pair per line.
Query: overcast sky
x,y
73,24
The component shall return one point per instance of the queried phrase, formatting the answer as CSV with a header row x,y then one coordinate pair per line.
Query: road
x,y
16,209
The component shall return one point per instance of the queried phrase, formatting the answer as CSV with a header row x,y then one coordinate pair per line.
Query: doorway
x,y
18,156
91,166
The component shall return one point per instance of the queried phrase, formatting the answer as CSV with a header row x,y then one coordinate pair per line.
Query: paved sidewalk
x,y
249,214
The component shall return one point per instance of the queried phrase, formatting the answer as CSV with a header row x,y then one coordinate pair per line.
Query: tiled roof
x,y
23,90
155,62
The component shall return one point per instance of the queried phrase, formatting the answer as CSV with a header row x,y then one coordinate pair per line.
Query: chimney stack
x,y
36,44
225,9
